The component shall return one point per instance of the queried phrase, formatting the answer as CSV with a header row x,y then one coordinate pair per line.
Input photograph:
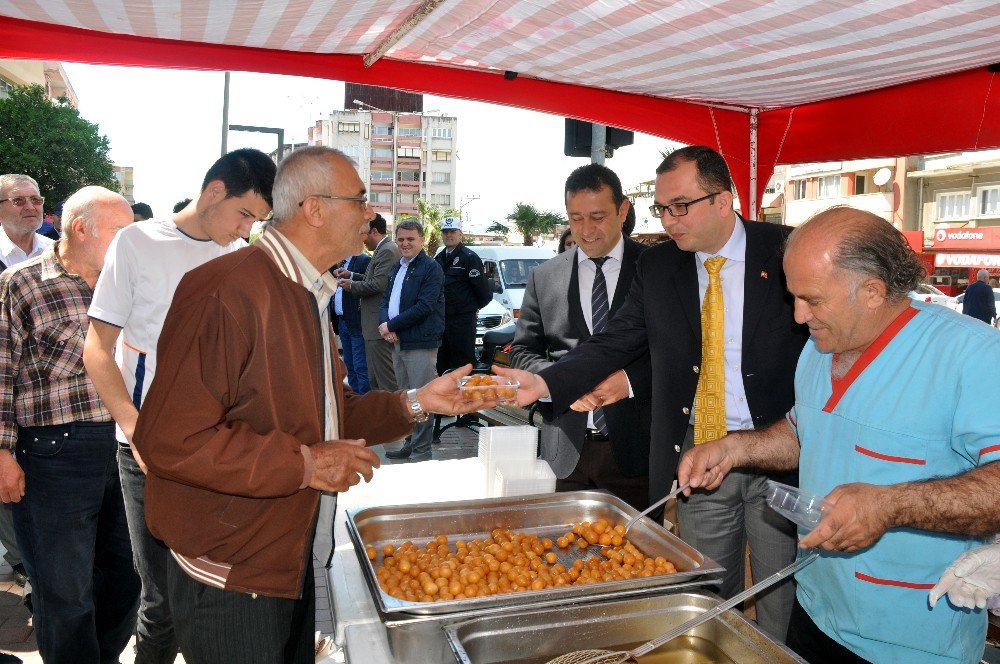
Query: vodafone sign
x,y
967,238
967,260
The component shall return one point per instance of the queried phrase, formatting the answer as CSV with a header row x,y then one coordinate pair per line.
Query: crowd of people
x,y
176,421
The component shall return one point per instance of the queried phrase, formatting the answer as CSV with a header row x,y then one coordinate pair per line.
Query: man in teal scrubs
x,y
893,426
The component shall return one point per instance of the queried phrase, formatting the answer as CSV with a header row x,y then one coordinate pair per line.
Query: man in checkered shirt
x,y
57,443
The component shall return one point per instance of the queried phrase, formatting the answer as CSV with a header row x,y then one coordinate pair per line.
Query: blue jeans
x,y
354,357
74,540
155,641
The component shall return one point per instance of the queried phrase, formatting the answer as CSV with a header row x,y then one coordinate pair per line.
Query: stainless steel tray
x,y
548,515
538,636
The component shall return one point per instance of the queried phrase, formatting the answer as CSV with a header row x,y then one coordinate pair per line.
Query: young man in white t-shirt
x,y
143,267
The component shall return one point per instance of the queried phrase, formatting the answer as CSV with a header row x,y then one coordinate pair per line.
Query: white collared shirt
x,y
397,287
11,254
733,275
586,271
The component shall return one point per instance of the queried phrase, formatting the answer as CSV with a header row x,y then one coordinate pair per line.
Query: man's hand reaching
x,y
340,464
611,389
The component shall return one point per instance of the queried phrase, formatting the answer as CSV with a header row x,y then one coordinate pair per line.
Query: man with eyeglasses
x,y
712,310
144,264
250,420
20,219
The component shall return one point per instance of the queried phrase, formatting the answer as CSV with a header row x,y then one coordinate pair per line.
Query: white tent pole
x,y
412,21
752,203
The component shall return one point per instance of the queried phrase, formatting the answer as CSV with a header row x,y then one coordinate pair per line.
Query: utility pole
x,y
598,138
225,116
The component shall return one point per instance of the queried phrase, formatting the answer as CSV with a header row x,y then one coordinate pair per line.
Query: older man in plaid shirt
x,y
57,443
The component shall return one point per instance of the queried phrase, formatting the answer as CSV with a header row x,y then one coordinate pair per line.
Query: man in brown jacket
x,y
248,420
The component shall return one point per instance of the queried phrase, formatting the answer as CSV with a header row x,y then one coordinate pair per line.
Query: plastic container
x,y
503,390
523,478
796,505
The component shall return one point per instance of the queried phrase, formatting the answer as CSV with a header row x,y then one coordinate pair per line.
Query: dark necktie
x,y
599,318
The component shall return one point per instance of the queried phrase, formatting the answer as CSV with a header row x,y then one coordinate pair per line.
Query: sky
x,y
167,125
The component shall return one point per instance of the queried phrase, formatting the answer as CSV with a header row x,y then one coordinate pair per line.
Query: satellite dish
x,y
881,176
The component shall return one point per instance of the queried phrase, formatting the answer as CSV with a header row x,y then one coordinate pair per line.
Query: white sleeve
x,y
112,302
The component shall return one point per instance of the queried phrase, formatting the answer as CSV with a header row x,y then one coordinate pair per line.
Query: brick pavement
x,y
17,636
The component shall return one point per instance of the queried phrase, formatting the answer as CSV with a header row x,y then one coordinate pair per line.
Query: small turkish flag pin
x,y
763,274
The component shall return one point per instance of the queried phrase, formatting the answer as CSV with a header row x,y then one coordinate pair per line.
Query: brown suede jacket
x,y
238,391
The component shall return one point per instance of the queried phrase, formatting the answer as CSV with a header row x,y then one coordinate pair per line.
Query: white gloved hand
x,y
972,579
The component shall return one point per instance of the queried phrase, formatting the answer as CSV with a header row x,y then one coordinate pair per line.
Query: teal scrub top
x,y
920,403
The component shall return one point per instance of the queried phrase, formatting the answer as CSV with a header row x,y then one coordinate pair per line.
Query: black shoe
x,y
7,658
20,574
401,453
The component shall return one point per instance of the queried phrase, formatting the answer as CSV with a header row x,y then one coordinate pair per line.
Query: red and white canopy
x,y
763,81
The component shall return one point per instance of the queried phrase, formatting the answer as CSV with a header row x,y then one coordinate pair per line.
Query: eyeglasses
x,y
361,199
20,201
677,209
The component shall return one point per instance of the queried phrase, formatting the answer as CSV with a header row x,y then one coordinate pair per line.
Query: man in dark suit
x,y
565,302
368,287
346,310
749,318
979,301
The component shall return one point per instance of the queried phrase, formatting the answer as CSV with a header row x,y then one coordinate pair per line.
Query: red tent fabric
x,y
830,82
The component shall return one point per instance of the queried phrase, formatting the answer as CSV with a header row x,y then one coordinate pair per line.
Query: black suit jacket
x,y
663,316
551,324
350,302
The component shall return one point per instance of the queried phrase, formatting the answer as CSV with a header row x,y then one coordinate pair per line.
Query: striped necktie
x,y
599,318
710,396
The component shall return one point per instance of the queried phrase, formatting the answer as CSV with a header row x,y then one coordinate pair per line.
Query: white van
x,y
508,269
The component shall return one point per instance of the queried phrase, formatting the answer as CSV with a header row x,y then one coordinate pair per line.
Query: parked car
x,y
491,316
928,293
508,269
957,301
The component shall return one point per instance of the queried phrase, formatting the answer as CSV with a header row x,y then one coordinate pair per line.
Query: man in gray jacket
x,y
368,287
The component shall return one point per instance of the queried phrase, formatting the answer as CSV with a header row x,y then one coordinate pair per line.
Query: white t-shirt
x,y
143,266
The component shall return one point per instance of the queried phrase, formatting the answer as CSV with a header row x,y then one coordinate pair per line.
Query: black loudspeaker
x,y
578,135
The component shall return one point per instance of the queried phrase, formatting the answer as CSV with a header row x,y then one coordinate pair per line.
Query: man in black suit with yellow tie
x,y
567,299
712,310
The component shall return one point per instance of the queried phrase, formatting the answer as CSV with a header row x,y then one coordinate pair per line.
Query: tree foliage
x,y
49,141
530,220
430,216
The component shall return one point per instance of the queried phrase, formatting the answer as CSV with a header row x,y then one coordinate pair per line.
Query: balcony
x,y
408,141
382,163
402,208
381,185
407,163
382,138
407,185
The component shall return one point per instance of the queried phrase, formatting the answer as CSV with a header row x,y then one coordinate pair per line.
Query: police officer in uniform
x,y
466,290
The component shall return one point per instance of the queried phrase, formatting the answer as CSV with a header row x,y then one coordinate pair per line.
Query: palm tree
x,y
430,216
530,220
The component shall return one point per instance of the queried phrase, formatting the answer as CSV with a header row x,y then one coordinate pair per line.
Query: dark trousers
x,y
71,530
812,644
225,627
353,344
458,345
155,642
597,469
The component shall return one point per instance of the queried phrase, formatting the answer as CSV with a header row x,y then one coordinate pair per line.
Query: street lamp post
x,y
266,130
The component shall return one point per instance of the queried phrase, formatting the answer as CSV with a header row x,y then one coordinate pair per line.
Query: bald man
x,y
908,487
69,514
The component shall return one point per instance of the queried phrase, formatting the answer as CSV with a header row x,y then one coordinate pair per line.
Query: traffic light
x,y
578,133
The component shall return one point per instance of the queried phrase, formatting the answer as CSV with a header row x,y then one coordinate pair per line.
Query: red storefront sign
x,y
976,239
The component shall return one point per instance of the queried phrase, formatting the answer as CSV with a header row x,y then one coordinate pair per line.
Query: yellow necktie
x,y
710,397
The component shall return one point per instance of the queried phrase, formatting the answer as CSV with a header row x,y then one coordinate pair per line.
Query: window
x,y
382,152
441,178
441,199
989,202
408,152
349,127
953,206
380,197
409,131
798,190
441,155
829,186
350,150
860,184
381,175
381,129
441,132
406,199
408,176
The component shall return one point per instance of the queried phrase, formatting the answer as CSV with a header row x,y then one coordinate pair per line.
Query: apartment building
x,y
48,74
402,157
